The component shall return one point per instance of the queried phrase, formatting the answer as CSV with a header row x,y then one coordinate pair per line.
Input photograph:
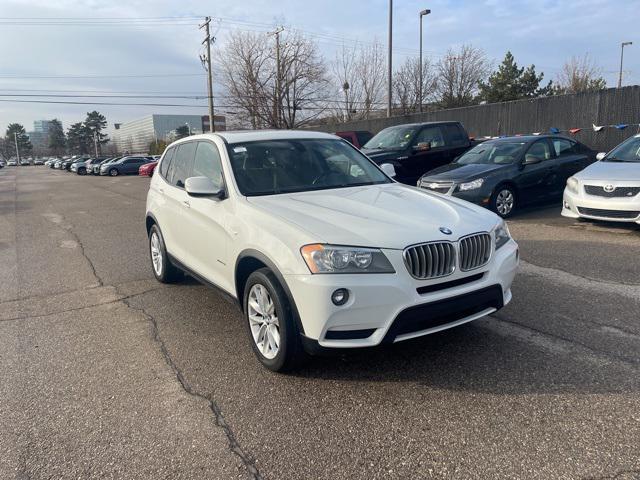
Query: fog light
x,y
567,206
340,296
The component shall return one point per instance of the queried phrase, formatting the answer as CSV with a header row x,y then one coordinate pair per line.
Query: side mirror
x,y
422,147
203,187
389,169
531,160
601,155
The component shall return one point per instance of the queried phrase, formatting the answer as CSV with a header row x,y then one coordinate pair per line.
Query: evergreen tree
x,y
15,131
94,124
182,131
57,140
511,82
79,139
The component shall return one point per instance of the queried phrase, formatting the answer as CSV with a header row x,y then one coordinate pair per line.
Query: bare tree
x,y
579,75
249,75
406,85
349,85
459,75
359,73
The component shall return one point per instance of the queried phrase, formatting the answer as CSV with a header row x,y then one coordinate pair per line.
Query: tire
x,y
82,171
503,201
114,172
277,326
163,269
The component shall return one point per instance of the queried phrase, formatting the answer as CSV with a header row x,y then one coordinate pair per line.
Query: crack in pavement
x,y
85,307
572,342
579,281
634,472
234,446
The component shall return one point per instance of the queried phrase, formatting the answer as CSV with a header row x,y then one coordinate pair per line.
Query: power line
x,y
22,77
129,104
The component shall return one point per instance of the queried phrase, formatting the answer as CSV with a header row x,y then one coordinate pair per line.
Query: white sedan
x,y
319,246
608,189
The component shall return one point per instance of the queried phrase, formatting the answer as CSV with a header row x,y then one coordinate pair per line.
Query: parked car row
x,y
500,174
111,166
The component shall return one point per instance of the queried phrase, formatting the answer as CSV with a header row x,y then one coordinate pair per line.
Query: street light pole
x,y
624,44
422,14
389,59
188,126
15,137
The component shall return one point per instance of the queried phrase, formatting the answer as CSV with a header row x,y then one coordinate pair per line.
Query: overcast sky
x,y
105,58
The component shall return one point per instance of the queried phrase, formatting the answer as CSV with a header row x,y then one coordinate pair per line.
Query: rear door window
x,y
432,135
456,137
563,146
166,160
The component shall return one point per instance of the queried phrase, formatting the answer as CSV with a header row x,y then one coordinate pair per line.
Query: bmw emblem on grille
x,y
445,230
609,188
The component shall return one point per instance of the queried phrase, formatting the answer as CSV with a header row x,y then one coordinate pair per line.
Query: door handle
x,y
186,203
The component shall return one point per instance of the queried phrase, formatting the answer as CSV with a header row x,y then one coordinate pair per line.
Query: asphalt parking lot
x,y
106,373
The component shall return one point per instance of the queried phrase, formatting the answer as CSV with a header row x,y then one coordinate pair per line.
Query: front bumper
x,y
388,308
615,209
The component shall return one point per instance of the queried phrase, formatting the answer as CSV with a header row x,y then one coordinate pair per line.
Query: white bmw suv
x,y
319,246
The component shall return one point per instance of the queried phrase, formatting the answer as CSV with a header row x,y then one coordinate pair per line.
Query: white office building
x,y
136,135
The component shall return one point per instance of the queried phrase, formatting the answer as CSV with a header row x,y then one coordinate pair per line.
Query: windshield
x,y
392,137
495,153
627,151
281,166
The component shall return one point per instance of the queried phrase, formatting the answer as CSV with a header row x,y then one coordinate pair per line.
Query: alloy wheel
x,y
156,254
263,321
504,202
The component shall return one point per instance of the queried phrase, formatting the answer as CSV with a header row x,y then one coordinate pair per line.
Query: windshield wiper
x,y
614,159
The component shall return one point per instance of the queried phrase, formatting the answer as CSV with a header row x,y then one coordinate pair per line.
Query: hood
x,y
459,173
618,171
378,155
385,216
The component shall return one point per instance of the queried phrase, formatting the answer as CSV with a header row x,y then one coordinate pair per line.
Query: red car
x,y
147,169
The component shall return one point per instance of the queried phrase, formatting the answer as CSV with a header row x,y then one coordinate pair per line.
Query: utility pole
x,y
389,59
422,14
622,45
206,63
278,102
95,142
15,137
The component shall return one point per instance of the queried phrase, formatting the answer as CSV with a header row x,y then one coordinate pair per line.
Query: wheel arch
x,y
249,261
150,221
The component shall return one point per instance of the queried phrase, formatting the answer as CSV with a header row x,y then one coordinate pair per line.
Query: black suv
x,y
416,148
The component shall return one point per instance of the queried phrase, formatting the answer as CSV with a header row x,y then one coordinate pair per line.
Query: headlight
x,y
471,185
502,234
572,184
339,259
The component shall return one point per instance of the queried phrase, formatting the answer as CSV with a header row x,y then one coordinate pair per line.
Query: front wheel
x,y
114,172
82,171
272,329
503,201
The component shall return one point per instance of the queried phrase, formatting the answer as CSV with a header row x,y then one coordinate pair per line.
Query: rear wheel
x,y
272,329
82,171
503,201
163,269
